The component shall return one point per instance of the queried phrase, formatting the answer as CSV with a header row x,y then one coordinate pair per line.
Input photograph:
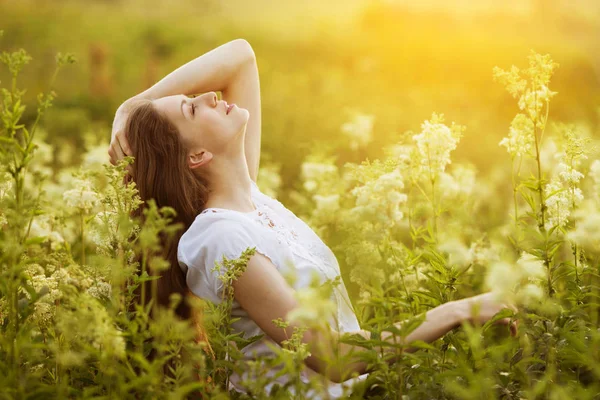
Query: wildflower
x,y
395,278
315,173
595,174
533,100
5,185
96,156
82,197
518,281
568,174
359,130
104,225
502,277
364,297
40,227
327,204
458,253
559,203
530,86
530,293
435,142
531,266
520,138
587,228
100,290
380,199
460,182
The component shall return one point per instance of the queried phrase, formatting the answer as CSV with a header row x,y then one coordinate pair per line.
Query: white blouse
x,y
286,240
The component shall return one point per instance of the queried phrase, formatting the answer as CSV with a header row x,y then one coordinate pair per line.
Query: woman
x,y
200,155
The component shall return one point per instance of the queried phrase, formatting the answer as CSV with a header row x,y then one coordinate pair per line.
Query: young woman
x,y
200,155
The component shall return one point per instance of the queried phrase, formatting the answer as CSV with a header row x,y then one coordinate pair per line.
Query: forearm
x,y
212,71
438,322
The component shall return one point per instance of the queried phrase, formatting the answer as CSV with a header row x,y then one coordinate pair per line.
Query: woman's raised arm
x,y
231,69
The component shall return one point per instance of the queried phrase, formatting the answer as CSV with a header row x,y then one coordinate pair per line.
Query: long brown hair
x,y
161,172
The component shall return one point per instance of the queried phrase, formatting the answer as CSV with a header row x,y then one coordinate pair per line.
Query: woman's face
x,y
203,122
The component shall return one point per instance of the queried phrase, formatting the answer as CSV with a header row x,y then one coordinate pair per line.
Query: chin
x,y
245,113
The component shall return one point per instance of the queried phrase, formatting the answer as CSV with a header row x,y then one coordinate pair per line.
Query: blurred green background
x,y
320,63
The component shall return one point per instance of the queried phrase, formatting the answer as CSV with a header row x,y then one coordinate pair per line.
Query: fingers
x,y
123,143
512,324
119,148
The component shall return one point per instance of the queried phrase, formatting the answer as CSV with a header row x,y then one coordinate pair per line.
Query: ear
x,y
196,160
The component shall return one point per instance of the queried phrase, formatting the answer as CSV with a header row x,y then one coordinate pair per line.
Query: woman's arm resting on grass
x,y
263,292
231,69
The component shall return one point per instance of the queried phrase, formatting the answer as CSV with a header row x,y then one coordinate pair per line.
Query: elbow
x,y
244,47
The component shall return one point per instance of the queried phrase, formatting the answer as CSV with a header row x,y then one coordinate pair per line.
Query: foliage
x,y
408,233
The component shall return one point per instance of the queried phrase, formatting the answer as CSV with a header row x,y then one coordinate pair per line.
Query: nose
x,y
211,98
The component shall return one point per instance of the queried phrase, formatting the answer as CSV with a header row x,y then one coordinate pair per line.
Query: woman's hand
x,y
119,147
481,308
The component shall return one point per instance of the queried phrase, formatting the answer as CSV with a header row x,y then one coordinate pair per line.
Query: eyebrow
x,y
181,107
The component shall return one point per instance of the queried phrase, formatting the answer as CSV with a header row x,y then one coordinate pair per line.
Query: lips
x,y
229,108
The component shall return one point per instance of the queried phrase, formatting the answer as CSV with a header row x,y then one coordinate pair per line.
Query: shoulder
x,y
217,231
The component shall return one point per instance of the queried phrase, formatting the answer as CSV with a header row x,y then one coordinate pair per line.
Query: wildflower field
x,y
439,152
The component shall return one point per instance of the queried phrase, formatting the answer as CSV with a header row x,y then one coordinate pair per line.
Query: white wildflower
x,y
435,142
6,185
595,174
364,297
587,228
82,197
533,101
380,199
559,203
458,253
520,138
531,266
100,290
502,277
96,156
530,293
568,174
327,204
359,130
316,174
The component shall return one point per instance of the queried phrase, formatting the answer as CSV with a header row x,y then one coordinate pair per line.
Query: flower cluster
x,y
520,138
595,175
530,86
563,193
41,226
379,199
359,130
434,144
82,197
316,174
519,282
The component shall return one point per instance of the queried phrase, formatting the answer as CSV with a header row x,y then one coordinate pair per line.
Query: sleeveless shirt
x,y
287,241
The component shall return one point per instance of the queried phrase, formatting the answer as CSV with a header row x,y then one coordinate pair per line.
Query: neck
x,y
230,184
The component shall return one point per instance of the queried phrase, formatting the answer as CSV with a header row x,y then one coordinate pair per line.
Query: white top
x,y
276,233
